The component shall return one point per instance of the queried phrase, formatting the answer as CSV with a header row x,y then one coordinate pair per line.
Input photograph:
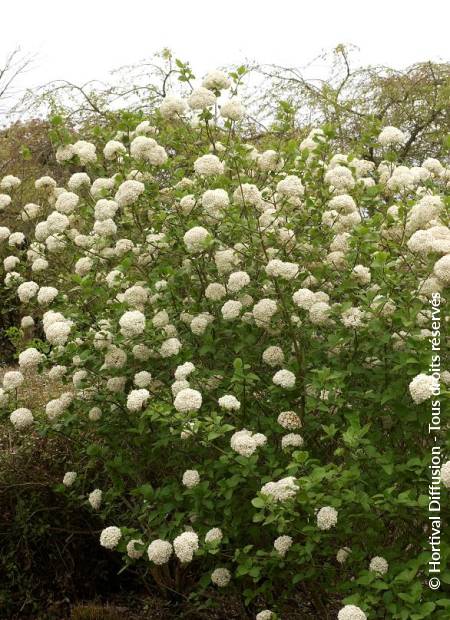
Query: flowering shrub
x,y
244,335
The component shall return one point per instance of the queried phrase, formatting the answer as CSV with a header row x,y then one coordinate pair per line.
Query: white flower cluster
x,y
185,545
281,490
245,442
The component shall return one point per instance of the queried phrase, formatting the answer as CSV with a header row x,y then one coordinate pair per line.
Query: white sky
x,y
85,39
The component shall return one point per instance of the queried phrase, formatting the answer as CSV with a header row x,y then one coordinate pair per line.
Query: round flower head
x,y
185,545
266,614
208,165
245,443
95,498
342,554
378,565
289,420
442,269
422,388
137,399
170,347
27,290
21,418
351,612
214,535
232,109
282,545
171,107
129,192
391,136
159,551
195,239
263,311
292,440
110,537
188,400
201,98
30,358
134,549
191,478
326,518
216,80
69,478
12,380
229,402
132,323
273,356
284,378
221,577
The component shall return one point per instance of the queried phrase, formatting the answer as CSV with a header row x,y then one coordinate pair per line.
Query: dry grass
x,y
37,389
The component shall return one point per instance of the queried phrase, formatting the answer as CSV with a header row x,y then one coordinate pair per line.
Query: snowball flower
x,y
195,239
129,192
113,149
201,98
133,550
171,107
229,402
170,347
231,309
280,490
188,400
445,474
284,378
215,291
265,614
351,612
282,545
132,323
263,312
182,371
221,577
291,440
378,565
291,186
142,379
30,358
95,498
191,478
342,554
213,535
216,80
422,388
12,380
185,545
46,295
245,443
327,518
273,356
289,420
279,269
391,136
69,478
159,551
237,281
110,537
137,399
208,165
21,418
232,109
27,290
66,202
442,269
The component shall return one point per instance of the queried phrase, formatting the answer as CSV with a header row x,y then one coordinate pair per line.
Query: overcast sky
x,y
85,39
